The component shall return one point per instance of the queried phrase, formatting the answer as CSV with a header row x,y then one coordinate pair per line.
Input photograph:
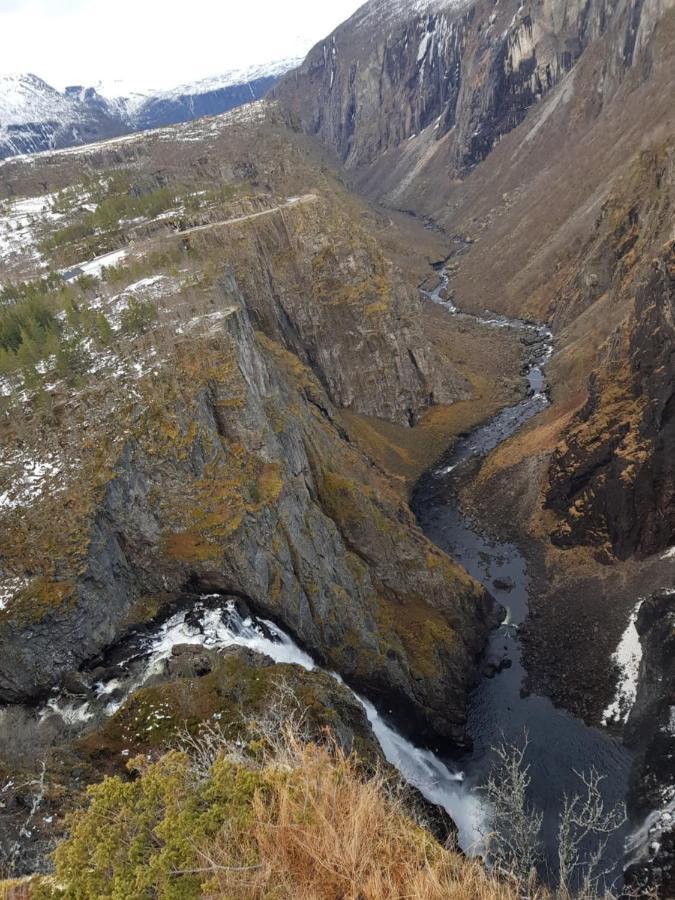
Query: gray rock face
x,y
395,86
619,470
318,542
339,306
651,734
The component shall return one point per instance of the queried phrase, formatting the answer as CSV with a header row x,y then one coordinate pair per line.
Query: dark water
x,y
499,709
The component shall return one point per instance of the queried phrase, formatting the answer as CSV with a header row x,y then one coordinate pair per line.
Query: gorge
x,y
364,390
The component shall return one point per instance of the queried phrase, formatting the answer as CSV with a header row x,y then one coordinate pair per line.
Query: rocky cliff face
x,y
247,482
397,86
651,734
219,459
612,480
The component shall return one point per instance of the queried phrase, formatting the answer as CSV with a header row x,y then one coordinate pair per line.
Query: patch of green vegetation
x,y
45,319
118,200
139,838
138,316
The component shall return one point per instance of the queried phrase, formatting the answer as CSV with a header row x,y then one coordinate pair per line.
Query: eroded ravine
x,y
500,710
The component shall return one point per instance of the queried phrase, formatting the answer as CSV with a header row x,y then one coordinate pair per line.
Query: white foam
x,y
421,768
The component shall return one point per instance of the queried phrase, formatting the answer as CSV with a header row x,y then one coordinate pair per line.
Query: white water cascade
x,y
217,627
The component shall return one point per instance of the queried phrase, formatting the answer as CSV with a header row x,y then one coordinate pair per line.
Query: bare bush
x,y
514,846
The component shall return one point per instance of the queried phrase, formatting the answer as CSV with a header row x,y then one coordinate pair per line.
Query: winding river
x,y
559,744
499,710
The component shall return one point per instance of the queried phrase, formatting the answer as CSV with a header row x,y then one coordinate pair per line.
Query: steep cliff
x,y
398,88
613,479
651,734
199,450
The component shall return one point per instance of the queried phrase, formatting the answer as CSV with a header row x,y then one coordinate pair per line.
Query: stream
x,y
499,709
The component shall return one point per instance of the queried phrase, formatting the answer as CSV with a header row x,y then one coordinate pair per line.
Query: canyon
x,y
385,363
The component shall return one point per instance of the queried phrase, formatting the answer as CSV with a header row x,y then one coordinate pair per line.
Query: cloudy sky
x,y
141,44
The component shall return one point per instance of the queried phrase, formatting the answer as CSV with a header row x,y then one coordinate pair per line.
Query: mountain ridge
x,y
34,116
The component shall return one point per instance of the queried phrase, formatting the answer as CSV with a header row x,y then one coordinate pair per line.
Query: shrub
x,y
138,316
284,819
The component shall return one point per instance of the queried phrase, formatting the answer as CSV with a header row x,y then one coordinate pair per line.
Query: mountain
x,y
36,117
207,97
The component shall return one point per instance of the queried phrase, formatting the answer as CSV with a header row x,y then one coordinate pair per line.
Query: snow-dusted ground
x,y
9,588
94,267
627,656
34,477
18,227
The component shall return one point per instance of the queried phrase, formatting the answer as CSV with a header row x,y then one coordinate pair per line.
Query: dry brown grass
x,y
330,832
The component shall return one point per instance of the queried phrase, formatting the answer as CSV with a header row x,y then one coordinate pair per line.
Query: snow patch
x,y
9,587
94,267
627,656
35,476
19,224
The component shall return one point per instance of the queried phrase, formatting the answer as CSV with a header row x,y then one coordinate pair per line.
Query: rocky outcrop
x,y
613,479
241,476
317,283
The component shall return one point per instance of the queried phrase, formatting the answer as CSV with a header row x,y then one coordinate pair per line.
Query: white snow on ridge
x,y
386,12
627,656
228,79
26,98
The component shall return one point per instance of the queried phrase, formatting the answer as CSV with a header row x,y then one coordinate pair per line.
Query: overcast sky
x,y
157,43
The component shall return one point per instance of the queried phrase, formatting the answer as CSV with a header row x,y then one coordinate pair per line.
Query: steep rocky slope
x,y
612,480
518,129
207,452
399,89
651,733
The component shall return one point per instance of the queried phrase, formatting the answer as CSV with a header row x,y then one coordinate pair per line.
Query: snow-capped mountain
x,y
35,116
207,97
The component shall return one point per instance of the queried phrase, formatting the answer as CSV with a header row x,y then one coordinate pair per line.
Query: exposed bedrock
x,y
612,480
244,477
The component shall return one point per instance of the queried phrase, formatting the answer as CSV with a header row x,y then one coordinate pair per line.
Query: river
x,y
559,744
499,710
